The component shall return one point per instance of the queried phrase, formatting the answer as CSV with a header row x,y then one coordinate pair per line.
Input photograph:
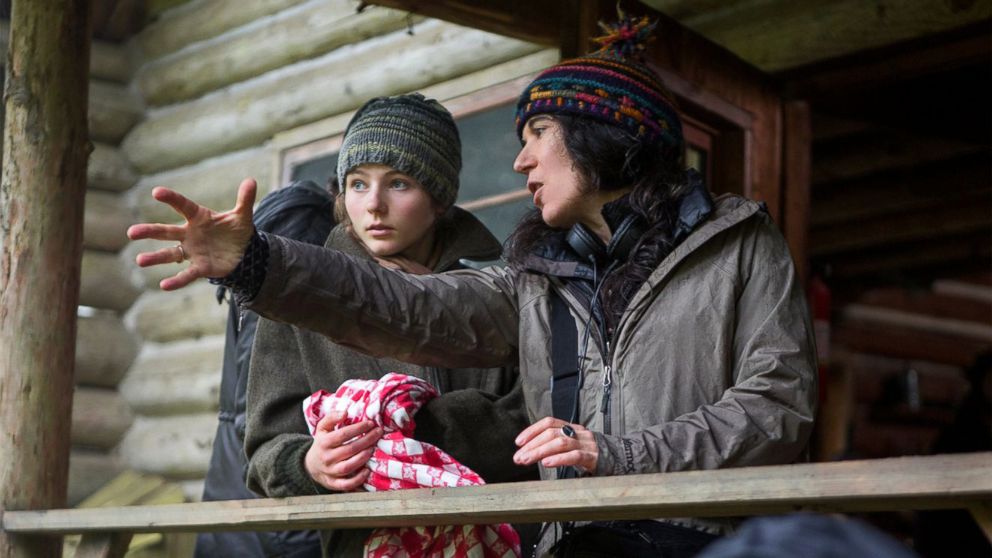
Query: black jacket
x,y
303,211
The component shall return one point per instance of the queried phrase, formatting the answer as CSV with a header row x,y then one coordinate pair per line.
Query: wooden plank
x,y
930,482
103,545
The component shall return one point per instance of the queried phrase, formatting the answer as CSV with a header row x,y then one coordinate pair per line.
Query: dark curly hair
x,y
610,158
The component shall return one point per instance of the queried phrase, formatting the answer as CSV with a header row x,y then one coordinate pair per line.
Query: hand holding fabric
x,y
336,459
213,242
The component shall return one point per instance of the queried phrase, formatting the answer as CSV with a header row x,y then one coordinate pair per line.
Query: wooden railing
x,y
962,481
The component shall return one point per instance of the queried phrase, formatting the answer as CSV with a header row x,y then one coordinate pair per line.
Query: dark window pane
x,y
489,146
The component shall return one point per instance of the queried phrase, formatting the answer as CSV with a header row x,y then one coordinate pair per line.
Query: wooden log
x,y
113,110
106,219
936,254
212,183
869,314
906,483
176,378
798,33
172,316
852,158
291,36
903,227
202,19
907,343
176,447
253,111
106,282
930,303
88,471
971,291
104,350
964,180
108,61
42,192
100,417
109,170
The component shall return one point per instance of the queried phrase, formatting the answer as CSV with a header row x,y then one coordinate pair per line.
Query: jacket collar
x,y
466,238
557,259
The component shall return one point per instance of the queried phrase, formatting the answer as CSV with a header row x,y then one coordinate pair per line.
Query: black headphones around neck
x,y
590,247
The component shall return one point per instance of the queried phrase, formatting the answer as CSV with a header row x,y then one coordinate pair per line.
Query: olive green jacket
x,y
475,419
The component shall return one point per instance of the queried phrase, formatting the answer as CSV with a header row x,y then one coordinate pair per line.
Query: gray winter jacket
x,y
475,419
712,363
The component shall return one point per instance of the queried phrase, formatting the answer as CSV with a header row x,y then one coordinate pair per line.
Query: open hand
x,y
547,442
212,242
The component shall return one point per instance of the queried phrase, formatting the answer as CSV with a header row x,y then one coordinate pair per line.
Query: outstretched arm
x,y
213,242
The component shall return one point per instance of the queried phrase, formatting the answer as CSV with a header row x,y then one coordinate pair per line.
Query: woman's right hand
x,y
212,242
335,463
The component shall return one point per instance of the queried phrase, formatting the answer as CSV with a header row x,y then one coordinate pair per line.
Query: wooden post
x,y
797,188
42,192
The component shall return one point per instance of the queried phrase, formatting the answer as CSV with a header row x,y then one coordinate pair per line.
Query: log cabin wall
x,y
194,101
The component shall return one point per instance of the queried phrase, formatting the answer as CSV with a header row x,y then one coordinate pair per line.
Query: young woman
x,y
692,342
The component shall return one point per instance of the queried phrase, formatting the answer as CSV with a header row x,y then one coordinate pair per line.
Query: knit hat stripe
x,y
619,88
429,135
410,133
409,163
621,81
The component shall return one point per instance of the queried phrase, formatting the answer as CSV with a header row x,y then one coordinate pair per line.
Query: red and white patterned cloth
x,y
400,462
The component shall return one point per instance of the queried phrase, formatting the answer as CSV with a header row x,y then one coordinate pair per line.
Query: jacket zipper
x,y
604,406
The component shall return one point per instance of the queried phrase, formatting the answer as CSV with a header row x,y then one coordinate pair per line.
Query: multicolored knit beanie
x,y
410,133
612,85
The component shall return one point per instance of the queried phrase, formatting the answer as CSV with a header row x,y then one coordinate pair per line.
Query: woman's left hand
x,y
547,442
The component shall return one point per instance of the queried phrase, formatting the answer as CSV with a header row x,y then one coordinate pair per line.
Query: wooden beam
x,y
42,192
905,483
969,46
520,19
776,36
797,188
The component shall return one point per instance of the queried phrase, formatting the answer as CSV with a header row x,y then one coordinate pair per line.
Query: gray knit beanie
x,y
410,133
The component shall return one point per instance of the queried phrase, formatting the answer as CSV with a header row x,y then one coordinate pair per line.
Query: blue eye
x,y
399,185
358,185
